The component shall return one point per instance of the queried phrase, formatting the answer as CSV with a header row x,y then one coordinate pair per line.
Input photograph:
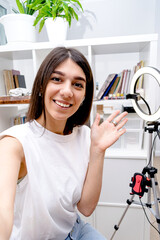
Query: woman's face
x,y
64,93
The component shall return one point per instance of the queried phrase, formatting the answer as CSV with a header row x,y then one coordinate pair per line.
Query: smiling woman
x,y
64,94
55,158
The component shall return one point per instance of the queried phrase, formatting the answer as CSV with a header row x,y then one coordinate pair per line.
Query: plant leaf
x,y
35,4
20,6
48,3
75,15
65,8
38,18
45,10
41,24
69,19
76,1
54,12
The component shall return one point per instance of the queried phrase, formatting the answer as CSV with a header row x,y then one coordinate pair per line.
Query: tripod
x,y
141,184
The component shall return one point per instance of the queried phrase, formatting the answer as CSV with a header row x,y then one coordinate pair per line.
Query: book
x,y
130,80
114,85
105,85
125,72
16,81
11,79
6,77
117,90
20,81
139,84
126,90
109,87
15,73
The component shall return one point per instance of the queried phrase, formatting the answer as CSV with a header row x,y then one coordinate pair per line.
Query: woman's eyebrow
x,y
80,78
76,77
59,72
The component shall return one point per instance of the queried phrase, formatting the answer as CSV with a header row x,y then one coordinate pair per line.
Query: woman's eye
x,y
55,79
78,85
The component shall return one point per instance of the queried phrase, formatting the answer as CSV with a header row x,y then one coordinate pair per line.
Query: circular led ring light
x,y
156,74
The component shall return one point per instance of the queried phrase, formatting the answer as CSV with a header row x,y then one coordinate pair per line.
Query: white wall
x,y
12,3
103,18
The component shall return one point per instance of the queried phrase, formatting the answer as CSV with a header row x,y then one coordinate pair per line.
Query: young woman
x,y
52,165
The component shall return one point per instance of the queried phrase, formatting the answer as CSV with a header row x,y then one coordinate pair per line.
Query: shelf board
x,y
14,100
119,44
126,154
112,102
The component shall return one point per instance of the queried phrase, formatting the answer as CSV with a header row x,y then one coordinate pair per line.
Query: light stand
x,y
140,182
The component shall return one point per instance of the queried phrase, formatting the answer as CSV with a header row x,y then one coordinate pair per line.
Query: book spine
x,y
6,81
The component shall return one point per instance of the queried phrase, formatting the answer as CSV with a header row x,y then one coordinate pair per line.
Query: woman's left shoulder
x,y
84,130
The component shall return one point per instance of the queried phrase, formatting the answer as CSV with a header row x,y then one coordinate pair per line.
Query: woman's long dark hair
x,y
54,58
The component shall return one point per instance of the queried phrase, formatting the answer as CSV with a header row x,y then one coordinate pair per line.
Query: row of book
x,y
18,120
118,84
13,79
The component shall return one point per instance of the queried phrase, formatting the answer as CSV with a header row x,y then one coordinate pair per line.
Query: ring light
x,y
156,74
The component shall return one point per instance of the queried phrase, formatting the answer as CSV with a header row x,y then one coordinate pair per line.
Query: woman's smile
x,y
62,104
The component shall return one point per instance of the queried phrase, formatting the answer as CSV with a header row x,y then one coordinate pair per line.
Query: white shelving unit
x,y
105,55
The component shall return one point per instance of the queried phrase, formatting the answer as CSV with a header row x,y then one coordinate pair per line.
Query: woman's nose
x,y
66,90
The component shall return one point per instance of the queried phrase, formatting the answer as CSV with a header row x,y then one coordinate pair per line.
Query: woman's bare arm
x,y
11,155
102,137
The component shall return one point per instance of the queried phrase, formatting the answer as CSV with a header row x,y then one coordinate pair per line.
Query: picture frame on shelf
x,y
3,11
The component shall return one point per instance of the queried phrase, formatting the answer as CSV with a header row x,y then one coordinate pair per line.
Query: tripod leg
x,y
149,204
157,189
116,227
156,203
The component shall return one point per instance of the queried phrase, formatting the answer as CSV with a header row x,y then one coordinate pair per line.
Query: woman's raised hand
x,y
108,132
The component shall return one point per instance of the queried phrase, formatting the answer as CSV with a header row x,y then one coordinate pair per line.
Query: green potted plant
x,y
23,7
19,27
59,12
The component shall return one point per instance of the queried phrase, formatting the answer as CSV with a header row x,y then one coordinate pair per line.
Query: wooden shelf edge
x,y
14,100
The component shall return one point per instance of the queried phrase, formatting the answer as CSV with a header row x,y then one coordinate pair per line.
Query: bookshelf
x,y
106,56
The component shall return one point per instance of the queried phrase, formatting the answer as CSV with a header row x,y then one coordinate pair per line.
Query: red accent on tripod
x,y
139,183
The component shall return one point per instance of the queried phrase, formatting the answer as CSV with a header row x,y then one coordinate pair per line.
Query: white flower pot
x,y
56,30
19,27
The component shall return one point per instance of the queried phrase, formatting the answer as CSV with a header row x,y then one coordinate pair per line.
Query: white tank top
x,y
45,204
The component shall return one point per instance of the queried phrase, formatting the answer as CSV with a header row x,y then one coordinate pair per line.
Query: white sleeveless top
x,y
45,204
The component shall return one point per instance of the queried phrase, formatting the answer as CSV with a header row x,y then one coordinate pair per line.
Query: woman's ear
x,y
40,92
82,101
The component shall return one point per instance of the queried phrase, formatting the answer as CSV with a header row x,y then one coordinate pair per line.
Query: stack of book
x,y
118,84
13,79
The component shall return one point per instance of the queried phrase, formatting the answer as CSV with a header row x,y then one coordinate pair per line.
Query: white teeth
x,y
62,104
